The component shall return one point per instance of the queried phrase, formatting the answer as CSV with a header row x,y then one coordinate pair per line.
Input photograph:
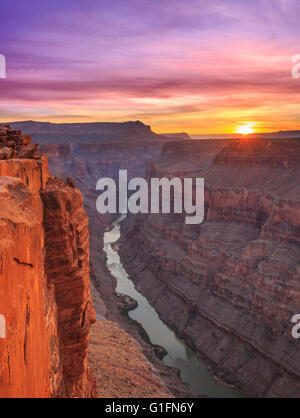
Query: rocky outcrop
x,y
229,286
67,267
28,355
44,273
123,371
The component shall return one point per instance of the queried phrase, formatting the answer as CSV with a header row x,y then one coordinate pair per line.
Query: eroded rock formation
x,y
23,296
44,278
67,267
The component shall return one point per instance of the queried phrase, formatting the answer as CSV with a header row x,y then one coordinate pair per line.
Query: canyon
x,y
229,286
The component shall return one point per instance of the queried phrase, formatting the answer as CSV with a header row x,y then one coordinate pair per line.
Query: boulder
x,y
6,153
28,151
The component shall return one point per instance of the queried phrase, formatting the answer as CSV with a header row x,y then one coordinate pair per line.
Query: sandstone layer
x,y
67,268
23,293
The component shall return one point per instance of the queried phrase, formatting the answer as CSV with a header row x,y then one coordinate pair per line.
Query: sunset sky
x,y
179,65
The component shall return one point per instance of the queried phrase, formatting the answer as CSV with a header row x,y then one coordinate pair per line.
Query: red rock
x,y
44,291
67,267
6,153
28,151
25,353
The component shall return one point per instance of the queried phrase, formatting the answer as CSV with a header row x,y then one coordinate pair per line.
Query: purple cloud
x,y
101,53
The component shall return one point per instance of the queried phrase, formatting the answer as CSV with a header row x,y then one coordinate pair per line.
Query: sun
x,y
245,129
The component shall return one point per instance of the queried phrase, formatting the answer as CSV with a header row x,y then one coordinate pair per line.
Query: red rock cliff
x,y
44,275
67,267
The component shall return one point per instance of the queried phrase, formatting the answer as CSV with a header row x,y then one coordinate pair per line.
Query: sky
x,y
178,65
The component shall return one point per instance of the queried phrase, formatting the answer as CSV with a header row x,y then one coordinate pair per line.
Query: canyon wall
x,y
230,285
44,291
67,267
23,297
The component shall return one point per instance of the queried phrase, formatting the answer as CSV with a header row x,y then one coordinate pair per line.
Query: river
x,y
193,371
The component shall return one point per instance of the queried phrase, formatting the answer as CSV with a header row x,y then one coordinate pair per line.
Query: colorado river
x,y
193,371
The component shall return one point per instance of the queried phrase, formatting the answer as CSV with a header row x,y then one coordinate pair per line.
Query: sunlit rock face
x,y
44,300
25,353
67,268
230,286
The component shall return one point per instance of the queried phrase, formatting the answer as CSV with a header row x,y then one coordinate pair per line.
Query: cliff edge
x,y
45,299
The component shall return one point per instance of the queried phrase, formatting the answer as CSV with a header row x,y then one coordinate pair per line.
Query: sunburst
x,y
245,128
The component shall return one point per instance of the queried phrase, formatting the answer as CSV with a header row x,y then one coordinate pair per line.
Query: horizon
x,y
203,69
140,121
